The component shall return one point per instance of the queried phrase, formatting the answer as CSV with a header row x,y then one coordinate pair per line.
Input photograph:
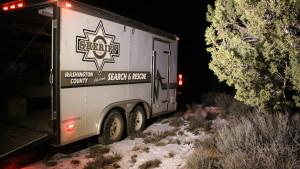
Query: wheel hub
x,y
137,120
114,128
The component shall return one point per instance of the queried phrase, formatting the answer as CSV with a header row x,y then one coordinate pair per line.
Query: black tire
x,y
113,128
137,120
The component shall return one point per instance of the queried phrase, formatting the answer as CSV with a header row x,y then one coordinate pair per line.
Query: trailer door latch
x,y
51,77
168,52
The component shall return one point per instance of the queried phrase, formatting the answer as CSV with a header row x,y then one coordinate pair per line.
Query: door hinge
x,y
153,53
54,22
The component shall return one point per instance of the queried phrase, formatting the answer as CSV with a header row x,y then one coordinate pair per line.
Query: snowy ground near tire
x,y
179,146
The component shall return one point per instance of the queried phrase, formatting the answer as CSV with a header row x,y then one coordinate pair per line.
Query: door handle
x,y
159,77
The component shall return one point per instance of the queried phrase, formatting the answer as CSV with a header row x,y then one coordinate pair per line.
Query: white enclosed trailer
x,y
108,74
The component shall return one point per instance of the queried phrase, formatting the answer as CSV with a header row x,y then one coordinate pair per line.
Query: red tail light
x,y
180,81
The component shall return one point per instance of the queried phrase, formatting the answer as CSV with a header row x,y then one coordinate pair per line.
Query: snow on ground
x,y
173,155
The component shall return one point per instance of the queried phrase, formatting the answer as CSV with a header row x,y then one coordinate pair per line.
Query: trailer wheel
x,y
137,120
113,128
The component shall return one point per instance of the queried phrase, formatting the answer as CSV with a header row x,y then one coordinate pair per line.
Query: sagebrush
x,y
256,140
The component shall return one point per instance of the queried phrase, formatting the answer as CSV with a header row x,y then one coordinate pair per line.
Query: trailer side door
x,y
161,53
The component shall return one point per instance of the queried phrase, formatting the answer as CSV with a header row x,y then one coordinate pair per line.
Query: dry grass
x,y
187,142
206,156
150,164
176,122
165,134
237,109
174,141
146,149
251,141
208,143
197,122
200,159
170,155
159,136
139,135
149,140
160,143
141,149
101,162
224,101
135,148
180,133
260,140
51,163
133,159
230,106
93,151
104,150
75,162
200,117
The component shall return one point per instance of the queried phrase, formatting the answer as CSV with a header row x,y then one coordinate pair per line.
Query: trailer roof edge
x,y
98,12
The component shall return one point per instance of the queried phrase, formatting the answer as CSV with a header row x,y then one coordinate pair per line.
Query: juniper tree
x,y
254,45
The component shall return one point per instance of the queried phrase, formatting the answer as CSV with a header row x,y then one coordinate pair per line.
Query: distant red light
x,y
69,5
20,5
12,5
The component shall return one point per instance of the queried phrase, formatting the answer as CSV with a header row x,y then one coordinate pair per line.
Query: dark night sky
x,y
187,20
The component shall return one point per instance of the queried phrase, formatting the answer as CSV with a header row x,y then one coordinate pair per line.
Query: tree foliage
x,y
255,47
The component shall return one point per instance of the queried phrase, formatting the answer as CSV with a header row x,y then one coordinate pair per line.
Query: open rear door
x,y
26,102
16,138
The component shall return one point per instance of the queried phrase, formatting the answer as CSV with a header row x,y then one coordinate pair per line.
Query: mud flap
x,y
14,138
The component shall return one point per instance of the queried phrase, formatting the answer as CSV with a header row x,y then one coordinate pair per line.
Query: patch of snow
x,y
172,156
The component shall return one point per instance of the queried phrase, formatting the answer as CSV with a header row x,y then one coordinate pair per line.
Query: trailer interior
x,y
26,61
